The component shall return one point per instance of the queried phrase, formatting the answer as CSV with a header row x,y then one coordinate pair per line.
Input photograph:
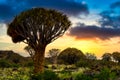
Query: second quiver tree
x,y
38,27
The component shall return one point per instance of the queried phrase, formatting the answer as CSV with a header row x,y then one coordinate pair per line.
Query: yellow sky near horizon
x,y
96,24
95,46
92,45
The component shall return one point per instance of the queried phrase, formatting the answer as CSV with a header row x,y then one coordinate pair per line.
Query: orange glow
x,y
96,46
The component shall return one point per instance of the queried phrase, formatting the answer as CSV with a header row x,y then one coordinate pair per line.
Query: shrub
x,y
78,72
29,64
14,74
15,65
47,75
82,63
4,63
106,74
83,77
63,75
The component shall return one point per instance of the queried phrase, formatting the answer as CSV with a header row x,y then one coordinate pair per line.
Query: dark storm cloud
x,y
111,17
88,32
14,7
10,9
69,7
115,5
109,26
107,19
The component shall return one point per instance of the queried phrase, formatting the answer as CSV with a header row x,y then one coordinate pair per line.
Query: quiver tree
x,y
37,28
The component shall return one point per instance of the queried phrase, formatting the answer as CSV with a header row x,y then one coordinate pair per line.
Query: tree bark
x,y
39,59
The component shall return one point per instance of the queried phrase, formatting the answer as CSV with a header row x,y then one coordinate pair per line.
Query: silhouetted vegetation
x,y
116,56
11,58
37,28
87,67
70,56
53,55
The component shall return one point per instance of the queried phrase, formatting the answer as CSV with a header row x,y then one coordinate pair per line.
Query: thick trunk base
x,y
39,60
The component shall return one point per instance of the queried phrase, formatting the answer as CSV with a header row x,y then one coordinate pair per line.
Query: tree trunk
x,y
39,59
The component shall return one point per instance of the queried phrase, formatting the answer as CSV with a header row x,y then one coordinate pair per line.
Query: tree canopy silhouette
x,y
116,56
37,28
107,57
71,55
53,54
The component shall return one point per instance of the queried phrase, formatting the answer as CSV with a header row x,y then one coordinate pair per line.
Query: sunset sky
x,y
95,24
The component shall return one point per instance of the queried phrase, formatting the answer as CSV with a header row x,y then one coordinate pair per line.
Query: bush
x,y
15,65
47,75
4,63
83,77
63,75
15,74
82,63
106,74
29,64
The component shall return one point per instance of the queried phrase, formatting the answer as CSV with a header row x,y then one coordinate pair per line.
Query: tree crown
x,y
71,55
38,26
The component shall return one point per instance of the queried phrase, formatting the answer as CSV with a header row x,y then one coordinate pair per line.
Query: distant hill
x,y
13,57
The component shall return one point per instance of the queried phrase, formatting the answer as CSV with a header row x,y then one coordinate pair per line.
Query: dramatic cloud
x,y
88,32
109,26
115,5
110,19
10,8
68,6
